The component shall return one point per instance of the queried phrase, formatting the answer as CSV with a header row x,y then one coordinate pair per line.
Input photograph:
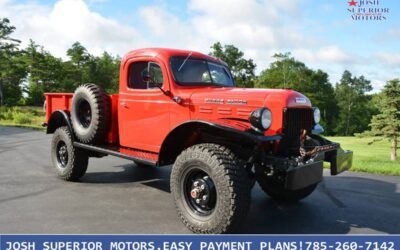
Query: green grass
x,y
374,158
28,117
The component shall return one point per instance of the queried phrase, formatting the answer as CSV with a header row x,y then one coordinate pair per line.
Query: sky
x,y
321,33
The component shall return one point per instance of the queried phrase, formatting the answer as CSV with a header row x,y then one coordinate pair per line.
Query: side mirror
x,y
155,84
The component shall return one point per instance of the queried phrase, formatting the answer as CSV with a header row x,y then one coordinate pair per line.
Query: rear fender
x,y
58,119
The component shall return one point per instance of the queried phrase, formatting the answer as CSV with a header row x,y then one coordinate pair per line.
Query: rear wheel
x,y
69,162
210,190
275,188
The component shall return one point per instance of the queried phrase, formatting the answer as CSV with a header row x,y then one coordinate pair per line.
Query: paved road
x,y
117,197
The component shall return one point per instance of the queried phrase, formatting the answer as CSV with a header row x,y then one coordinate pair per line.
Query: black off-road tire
x,y
276,190
90,127
75,164
231,184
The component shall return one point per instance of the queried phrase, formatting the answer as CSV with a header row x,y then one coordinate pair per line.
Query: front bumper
x,y
340,159
306,174
301,175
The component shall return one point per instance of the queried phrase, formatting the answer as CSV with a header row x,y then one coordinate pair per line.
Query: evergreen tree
x,y
387,122
79,59
353,103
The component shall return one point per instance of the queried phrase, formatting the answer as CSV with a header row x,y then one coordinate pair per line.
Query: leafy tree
x,y
84,67
243,70
284,72
46,72
12,69
78,54
287,72
35,71
103,70
387,122
354,111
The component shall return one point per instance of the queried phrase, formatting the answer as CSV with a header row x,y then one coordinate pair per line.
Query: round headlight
x,y
317,115
266,118
261,118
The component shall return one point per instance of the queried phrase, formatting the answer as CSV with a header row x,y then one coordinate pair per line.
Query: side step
x,y
148,158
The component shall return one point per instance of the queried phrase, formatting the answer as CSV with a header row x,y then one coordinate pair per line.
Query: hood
x,y
238,103
249,98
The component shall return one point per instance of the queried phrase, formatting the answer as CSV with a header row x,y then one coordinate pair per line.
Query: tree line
x,y
27,73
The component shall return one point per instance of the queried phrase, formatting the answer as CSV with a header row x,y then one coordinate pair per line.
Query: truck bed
x,y
63,101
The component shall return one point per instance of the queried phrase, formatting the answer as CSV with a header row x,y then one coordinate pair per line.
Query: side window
x,y
155,73
145,75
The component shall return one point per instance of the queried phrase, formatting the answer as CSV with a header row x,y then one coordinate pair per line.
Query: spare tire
x,y
90,113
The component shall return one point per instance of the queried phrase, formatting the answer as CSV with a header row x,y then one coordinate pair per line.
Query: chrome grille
x,y
296,119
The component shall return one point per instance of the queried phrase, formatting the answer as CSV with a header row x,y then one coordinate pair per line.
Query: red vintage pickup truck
x,y
182,108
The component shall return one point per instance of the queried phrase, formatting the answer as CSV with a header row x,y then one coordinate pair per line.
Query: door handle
x,y
177,99
123,104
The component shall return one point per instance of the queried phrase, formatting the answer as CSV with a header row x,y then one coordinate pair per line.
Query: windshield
x,y
195,71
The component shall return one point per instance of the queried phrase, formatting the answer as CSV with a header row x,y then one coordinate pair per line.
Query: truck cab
x,y
182,107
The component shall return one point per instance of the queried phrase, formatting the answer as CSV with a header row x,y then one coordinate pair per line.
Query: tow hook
x,y
314,151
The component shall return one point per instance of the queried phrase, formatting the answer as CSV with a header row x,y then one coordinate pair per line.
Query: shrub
x,y
8,115
23,118
37,112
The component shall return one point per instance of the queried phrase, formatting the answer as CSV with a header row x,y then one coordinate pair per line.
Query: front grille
x,y
296,119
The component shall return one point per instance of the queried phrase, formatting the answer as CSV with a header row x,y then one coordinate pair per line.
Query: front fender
x,y
187,133
243,128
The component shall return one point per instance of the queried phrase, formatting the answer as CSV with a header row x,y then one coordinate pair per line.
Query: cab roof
x,y
166,53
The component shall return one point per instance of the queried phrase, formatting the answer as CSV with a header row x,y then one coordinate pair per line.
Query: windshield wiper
x,y
190,54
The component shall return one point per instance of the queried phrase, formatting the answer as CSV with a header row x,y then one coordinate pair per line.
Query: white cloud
x,y
328,54
260,28
58,26
392,59
387,36
254,26
248,24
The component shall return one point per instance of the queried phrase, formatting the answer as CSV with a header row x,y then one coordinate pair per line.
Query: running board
x,y
121,152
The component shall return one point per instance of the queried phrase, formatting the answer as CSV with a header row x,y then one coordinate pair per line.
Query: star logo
x,y
352,3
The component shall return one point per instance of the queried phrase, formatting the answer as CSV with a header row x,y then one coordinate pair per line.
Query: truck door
x,y
144,116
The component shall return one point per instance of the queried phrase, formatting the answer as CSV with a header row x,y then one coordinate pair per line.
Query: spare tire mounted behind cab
x,y
90,114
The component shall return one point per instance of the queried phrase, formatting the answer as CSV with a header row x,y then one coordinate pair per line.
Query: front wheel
x,y
275,188
69,162
210,189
